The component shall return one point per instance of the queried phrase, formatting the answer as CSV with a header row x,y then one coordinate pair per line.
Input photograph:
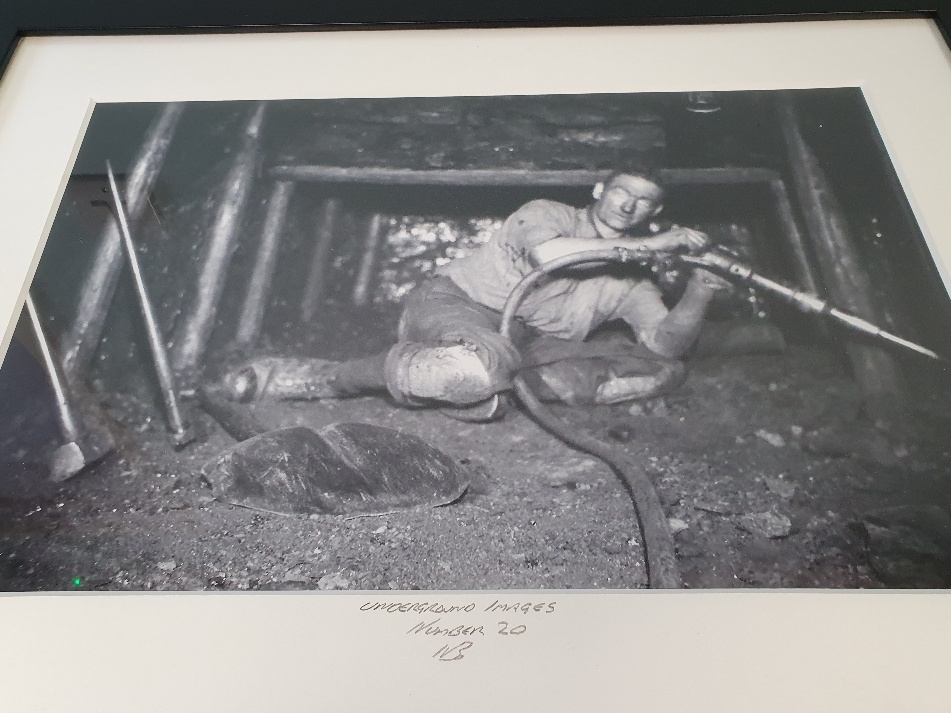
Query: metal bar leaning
x,y
181,434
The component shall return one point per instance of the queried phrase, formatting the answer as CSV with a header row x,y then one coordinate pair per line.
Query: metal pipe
x,y
865,327
98,288
65,416
199,321
371,246
315,286
81,446
180,433
259,288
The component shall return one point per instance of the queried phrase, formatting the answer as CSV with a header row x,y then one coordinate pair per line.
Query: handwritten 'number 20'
x,y
514,631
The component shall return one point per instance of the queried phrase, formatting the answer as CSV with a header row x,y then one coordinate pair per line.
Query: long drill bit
x,y
803,301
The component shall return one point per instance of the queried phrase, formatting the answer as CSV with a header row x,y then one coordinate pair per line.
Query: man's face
x,y
626,200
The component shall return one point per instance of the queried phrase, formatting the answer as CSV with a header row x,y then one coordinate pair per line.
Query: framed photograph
x,y
423,358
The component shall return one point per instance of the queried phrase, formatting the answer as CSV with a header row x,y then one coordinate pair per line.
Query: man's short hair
x,y
636,169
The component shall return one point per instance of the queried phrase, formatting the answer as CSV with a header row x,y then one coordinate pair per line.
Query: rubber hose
x,y
658,542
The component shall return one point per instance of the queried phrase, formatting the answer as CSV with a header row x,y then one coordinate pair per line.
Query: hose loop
x,y
658,542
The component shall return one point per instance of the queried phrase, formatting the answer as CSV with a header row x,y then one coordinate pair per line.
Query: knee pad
x,y
417,374
499,355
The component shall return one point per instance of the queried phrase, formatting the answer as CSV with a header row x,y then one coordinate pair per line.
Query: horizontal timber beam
x,y
506,176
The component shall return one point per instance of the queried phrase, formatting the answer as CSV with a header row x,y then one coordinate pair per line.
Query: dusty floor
x,y
768,476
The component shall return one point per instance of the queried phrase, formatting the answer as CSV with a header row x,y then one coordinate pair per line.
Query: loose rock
x,y
773,439
333,581
766,524
622,433
782,488
560,480
677,525
658,407
716,508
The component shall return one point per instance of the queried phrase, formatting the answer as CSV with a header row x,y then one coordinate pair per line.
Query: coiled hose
x,y
658,542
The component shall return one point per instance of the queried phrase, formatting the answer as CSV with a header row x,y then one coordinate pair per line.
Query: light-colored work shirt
x,y
567,307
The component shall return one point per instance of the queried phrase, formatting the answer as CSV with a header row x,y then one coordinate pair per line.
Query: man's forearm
x,y
560,247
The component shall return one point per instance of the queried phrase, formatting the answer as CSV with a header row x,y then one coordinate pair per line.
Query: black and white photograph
x,y
570,341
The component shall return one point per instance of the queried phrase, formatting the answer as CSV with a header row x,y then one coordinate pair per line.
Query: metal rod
x,y
82,446
156,345
508,176
199,321
866,327
316,284
98,288
259,288
64,410
371,246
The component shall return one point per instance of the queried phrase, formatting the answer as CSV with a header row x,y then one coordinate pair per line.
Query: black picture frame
x,y
60,17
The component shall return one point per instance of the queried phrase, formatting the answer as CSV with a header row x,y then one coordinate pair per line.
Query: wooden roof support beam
x,y
265,263
848,284
316,284
201,311
468,177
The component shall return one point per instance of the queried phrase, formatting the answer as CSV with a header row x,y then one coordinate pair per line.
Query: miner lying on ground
x,y
449,352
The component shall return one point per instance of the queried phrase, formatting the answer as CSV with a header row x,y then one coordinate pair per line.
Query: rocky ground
x,y
769,476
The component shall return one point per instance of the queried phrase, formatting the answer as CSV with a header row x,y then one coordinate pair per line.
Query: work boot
x,y
281,378
617,389
572,381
